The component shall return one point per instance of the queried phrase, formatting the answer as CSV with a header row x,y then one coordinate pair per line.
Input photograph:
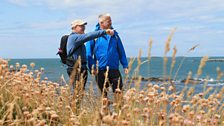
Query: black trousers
x,y
78,75
114,77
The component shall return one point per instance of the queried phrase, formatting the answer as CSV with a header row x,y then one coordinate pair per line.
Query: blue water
x,y
53,69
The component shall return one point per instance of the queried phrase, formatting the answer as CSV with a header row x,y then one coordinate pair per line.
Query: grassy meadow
x,y
27,100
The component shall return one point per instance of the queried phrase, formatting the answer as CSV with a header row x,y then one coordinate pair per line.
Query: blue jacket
x,y
107,50
76,42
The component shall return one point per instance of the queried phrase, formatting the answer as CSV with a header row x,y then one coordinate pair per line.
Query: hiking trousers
x,y
114,79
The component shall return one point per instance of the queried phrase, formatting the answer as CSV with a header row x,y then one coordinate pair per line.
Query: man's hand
x,y
126,70
95,72
110,32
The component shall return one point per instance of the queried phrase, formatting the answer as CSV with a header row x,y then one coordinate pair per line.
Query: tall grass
x,y
27,100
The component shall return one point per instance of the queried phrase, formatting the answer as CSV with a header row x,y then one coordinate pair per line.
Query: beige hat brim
x,y
84,23
78,22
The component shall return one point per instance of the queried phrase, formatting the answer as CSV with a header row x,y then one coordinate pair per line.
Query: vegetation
x,y
27,100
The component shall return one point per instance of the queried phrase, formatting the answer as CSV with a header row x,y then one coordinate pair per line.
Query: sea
x,y
154,67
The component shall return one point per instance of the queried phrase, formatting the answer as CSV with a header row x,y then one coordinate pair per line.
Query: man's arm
x,y
80,39
121,52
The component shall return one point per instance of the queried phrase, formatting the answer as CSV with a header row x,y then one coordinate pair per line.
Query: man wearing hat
x,y
76,47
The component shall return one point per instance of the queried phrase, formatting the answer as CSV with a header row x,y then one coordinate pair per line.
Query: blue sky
x,y
33,28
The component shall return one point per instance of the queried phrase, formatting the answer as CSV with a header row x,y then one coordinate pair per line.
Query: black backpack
x,y
62,51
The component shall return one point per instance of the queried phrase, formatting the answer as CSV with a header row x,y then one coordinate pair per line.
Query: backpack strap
x,y
73,51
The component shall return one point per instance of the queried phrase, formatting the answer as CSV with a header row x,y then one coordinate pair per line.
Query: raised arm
x,y
79,39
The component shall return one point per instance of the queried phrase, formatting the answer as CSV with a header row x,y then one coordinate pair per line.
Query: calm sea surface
x,y
54,69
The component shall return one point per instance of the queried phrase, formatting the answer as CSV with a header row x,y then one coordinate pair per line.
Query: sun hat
x,y
78,22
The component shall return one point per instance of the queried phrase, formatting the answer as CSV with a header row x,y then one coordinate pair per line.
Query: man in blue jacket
x,y
107,51
75,45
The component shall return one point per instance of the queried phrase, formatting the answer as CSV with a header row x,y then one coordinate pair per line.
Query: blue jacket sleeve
x,y
89,54
79,39
122,55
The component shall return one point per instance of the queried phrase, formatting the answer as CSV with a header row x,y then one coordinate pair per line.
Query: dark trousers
x,y
78,75
114,77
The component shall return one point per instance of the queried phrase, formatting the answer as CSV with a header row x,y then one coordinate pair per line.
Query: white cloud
x,y
50,25
18,2
208,19
163,9
136,20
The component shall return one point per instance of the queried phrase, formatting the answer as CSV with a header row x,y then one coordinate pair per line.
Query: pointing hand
x,y
110,32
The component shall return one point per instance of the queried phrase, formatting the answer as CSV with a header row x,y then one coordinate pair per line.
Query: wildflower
x,y
149,85
11,67
40,109
171,88
202,112
188,122
146,99
156,87
41,69
32,64
48,109
218,96
108,119
136,110
25,113
41,123
141,96
151,94
17,65
162,88
125,107
125,122
54,116
191,114
45,78
217,116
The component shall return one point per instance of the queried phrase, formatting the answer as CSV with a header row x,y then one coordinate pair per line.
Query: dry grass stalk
x,y
105,89
139,63
167,44
126,84
167,49
139,57
172,66
220,74
75,71
173,60
136,70
182,61
149,55
149,50
202,64
205,83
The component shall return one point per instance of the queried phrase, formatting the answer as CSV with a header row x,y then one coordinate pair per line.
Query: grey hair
x,y
102,17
